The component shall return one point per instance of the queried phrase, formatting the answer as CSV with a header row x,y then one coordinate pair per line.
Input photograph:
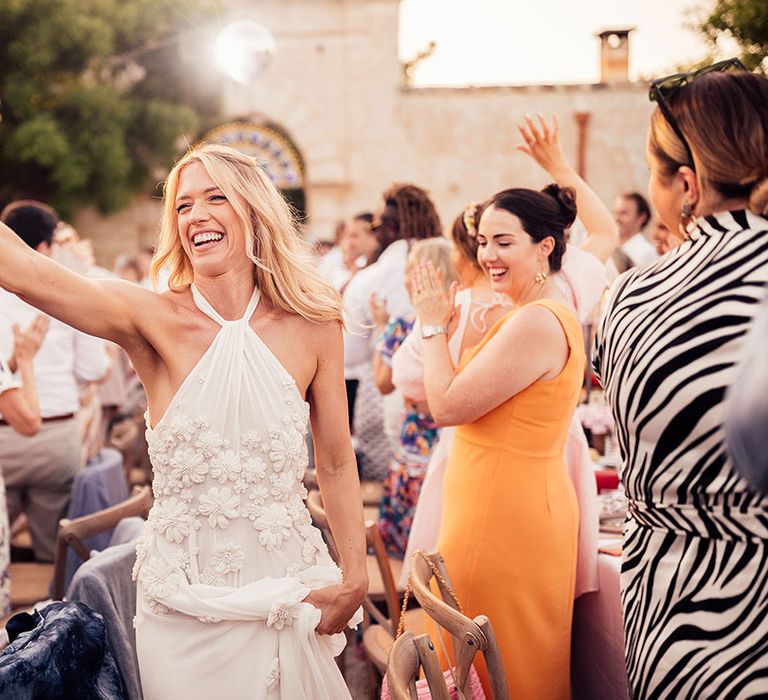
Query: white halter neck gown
x,y
229,551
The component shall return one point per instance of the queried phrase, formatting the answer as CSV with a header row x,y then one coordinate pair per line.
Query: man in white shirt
x,y
39,470
332,265
408,214
632,214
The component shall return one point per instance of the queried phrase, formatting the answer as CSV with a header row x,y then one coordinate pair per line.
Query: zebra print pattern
x,y
694,573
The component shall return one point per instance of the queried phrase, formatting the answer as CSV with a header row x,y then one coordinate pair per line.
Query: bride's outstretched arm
x,y
339,484
106,308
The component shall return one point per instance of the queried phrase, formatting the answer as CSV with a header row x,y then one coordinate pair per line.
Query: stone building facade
x,y
337,98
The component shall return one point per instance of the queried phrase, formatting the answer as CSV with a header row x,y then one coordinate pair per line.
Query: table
x,y
598,671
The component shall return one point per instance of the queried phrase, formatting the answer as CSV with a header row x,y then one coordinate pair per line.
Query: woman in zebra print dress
x,y
695,559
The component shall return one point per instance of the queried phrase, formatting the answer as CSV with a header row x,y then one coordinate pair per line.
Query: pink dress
x,y
408,376
583,279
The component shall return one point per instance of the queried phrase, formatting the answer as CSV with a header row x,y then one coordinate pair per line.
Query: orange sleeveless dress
x,y
508,532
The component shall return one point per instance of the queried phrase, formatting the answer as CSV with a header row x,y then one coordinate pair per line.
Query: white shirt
x,y
66,356
640,250
163,275
332,267
7,380
385,278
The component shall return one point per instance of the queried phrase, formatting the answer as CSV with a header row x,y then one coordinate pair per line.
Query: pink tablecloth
x,y
597,655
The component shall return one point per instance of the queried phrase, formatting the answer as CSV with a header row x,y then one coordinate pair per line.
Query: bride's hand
x,y
337,605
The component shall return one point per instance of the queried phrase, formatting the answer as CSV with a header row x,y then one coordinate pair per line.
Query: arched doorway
x,y
274,149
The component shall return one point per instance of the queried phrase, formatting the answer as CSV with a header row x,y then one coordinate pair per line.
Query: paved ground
x,y
359,673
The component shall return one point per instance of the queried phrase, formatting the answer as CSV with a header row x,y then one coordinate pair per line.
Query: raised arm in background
x,y
543,145
18,402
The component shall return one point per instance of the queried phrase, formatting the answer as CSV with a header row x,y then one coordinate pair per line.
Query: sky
x,y
486,42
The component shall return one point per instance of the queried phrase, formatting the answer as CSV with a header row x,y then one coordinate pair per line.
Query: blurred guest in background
x,y
477,308
127,268
632,215
39,470
408,215
331,263
21,411
419,432
663,239
144,261
359,244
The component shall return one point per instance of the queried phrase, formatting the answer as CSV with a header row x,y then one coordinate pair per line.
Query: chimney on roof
x,y
614,55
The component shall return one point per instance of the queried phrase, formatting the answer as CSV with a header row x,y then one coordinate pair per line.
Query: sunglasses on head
x,y
663,88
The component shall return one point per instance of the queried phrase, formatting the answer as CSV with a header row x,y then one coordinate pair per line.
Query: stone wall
x,y
336,87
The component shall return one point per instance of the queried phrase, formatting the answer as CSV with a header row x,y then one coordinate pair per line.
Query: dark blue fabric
x,y
22,622
100,485
64,657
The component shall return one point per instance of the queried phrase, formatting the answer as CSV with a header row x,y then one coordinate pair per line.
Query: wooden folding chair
x,y
409,653
371,491
468,636
377,639
72,532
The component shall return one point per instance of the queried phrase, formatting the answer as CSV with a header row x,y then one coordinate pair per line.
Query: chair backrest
x,y
376,546
320,521
71,533
391,596
310,480
468,635
408,654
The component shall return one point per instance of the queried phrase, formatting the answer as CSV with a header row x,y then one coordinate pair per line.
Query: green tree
x,y
746,21
95,97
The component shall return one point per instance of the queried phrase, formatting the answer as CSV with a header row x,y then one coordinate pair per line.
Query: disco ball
x,y
244,49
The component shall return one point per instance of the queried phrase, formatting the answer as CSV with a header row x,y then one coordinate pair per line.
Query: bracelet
x,y
431,331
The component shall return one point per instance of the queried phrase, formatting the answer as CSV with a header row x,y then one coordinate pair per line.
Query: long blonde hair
x,y
285,271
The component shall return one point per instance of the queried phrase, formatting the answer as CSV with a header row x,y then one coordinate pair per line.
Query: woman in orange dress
x,y
509,525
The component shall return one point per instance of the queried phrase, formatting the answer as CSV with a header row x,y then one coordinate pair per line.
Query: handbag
x,y
422,689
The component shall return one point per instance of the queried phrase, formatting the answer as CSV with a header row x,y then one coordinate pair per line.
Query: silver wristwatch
x,y
431,331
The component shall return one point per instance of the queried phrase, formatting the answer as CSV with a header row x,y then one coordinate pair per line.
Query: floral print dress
x,y
229,552
418,437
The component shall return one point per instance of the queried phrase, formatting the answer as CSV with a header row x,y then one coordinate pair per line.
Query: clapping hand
x,y
379,312
26,343
432,304
542,144
337,604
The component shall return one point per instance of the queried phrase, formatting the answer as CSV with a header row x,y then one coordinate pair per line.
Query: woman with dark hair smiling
x,y
510,518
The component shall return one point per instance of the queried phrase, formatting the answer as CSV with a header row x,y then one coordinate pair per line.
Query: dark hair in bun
x,y
546,213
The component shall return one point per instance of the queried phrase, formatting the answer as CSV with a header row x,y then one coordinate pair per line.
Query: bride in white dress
x,y
237,595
